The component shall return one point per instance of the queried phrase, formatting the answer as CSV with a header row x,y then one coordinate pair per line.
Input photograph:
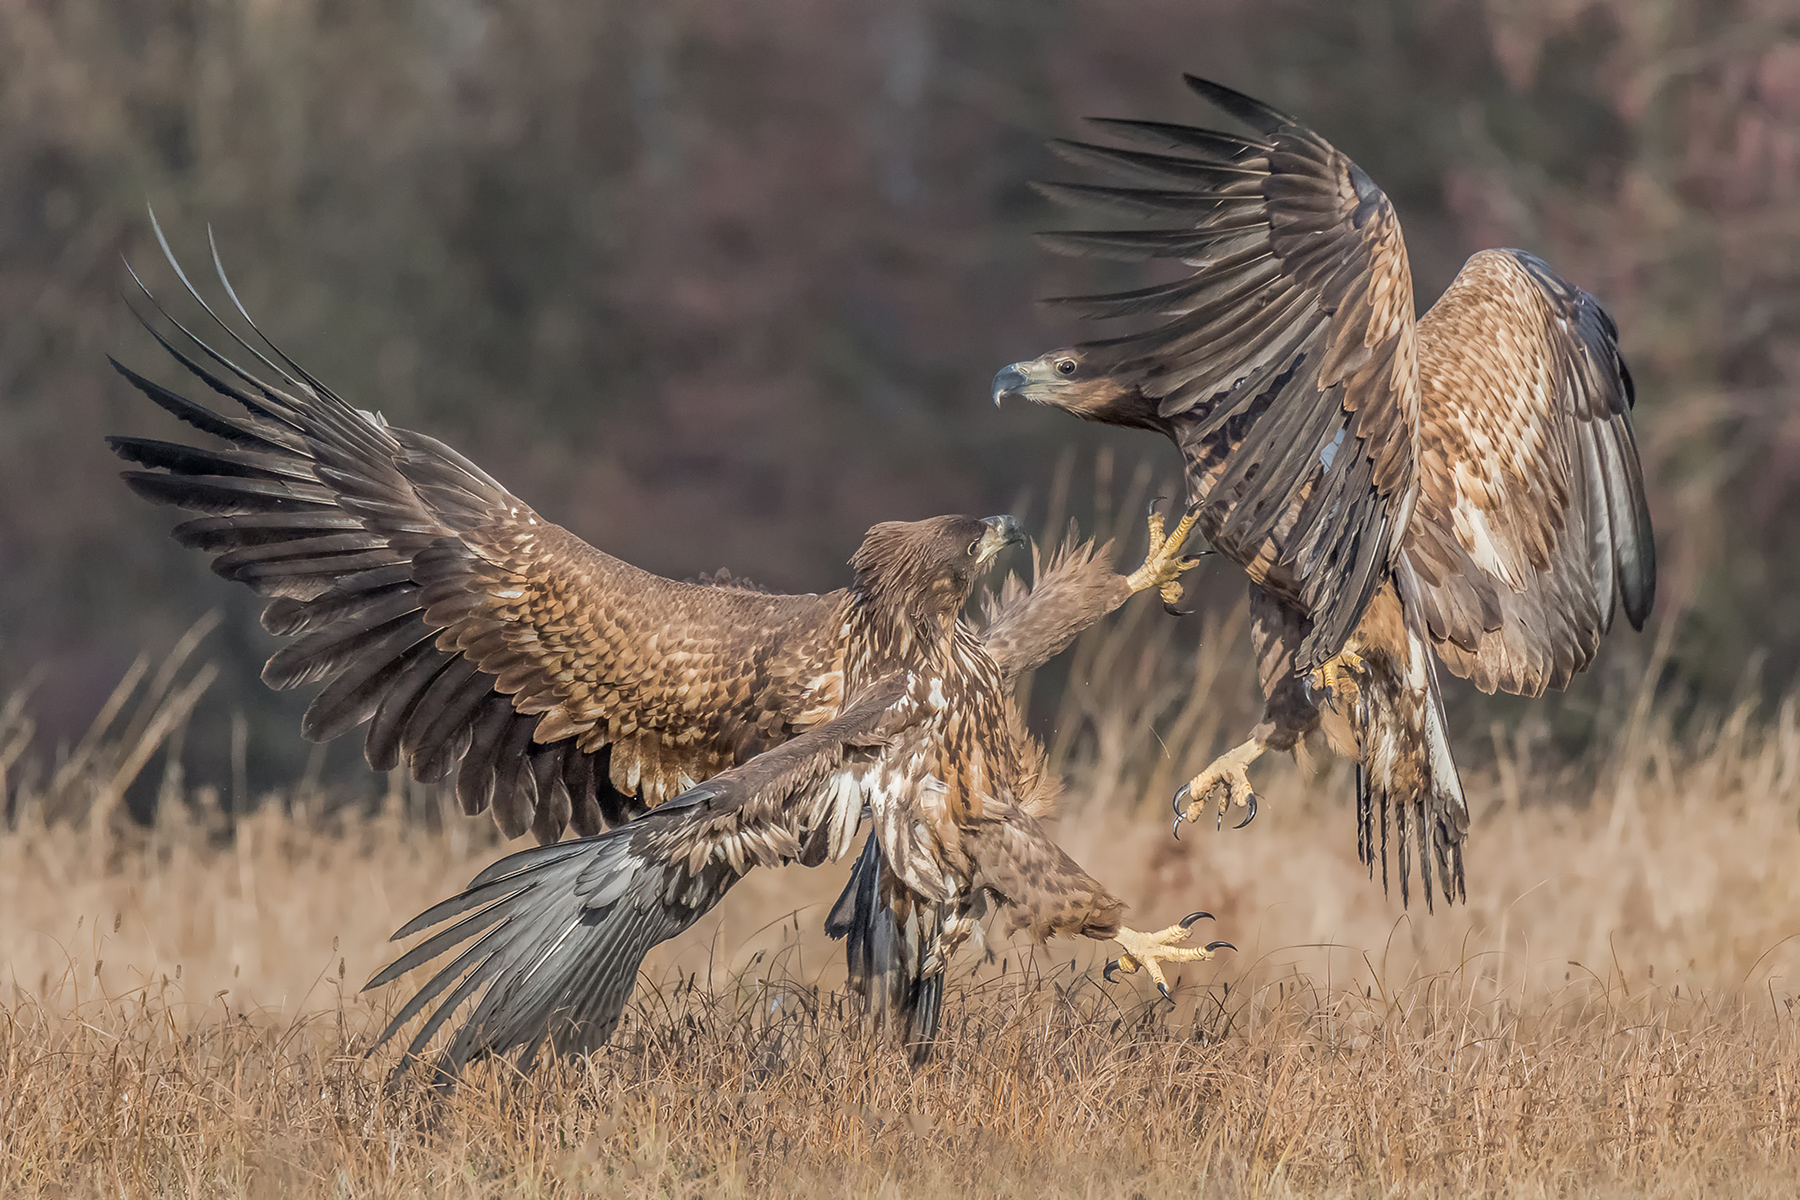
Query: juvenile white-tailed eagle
x,y
1465,481
717,727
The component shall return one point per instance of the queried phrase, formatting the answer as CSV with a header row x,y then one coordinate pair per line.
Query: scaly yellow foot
x,y
1228,771
1164,563
1150,950
1341,676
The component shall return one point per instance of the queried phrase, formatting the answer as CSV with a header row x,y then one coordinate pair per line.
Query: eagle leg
x,y
1229,771
1149,951
1164,563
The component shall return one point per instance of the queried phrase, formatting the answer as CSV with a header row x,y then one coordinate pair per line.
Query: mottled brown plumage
x,y
1466,481
718,727
929,743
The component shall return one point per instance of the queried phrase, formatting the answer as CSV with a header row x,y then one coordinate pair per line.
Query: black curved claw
x,y
1150,508
1164,989
1249,815
1181,793
1220,946
1112,964
1188,921
1177,830
1177,612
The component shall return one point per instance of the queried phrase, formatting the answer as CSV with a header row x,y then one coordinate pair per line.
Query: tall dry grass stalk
x,y
1609,1014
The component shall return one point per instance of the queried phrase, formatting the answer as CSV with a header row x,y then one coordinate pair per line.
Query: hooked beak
x,y
1009,381
1002,531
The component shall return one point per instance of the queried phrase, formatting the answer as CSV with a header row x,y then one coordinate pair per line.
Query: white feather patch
x,y
1477,535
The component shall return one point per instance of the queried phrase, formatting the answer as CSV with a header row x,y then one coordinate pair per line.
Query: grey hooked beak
x,y
1002,532
1009,381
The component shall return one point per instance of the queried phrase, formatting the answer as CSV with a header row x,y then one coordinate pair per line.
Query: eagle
x,y
1462,484
688,732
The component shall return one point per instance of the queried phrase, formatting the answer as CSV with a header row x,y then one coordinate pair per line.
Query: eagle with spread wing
x,y
714,727
1463,482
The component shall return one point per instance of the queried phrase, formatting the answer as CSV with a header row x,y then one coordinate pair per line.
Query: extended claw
x,y
1164,563
1250,813
1342,672
1151,951
1227,772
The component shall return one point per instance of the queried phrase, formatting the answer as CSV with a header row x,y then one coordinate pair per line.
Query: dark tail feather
x,y
1408,776
890,941
557,940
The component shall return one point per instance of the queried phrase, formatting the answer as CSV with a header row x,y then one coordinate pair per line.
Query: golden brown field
x,y
1610,1014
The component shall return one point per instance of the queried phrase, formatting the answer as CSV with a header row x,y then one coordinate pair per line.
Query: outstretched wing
x,y
1288,357
563,685
1531,522
557,933
1072,587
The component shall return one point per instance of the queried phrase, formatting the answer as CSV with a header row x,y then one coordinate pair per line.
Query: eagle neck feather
x,y
893,635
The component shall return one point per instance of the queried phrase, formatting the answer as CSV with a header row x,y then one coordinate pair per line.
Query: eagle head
x,y
1070,379
923,571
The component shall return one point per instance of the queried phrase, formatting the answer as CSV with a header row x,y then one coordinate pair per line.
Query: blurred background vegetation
x,y
719,283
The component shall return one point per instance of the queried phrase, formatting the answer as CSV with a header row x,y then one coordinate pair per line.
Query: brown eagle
x,y
717,727
1465,482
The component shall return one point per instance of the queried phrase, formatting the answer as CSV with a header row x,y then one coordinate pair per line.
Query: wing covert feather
x,y
1531,523
562,685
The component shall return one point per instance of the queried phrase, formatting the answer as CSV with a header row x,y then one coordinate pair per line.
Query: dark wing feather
x,y
1286,364
1531,522
467,632
559,931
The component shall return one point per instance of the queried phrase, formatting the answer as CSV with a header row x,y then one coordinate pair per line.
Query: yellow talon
x,y
1339,675
1164,563
1229,771
1149,951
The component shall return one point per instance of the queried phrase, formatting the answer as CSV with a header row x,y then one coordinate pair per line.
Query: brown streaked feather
x,y
1531,524
467,632
556,933
1073,587
1046,892
1286,370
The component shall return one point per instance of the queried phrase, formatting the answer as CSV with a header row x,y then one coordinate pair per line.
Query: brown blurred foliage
x,y
720,283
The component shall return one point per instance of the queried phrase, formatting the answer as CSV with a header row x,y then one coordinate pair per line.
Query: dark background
x,y
722,282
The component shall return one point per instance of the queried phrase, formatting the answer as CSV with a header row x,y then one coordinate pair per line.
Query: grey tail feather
x,y
549,960
889,951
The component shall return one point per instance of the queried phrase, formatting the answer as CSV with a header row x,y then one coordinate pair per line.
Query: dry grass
x,y
1609,1014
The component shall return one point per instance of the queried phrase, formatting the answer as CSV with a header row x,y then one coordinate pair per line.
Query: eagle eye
x,y
974,546
1065,366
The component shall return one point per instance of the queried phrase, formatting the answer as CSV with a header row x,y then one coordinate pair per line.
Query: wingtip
x,y
1248,109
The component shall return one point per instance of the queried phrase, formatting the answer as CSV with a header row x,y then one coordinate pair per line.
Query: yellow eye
x,y
1065,366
